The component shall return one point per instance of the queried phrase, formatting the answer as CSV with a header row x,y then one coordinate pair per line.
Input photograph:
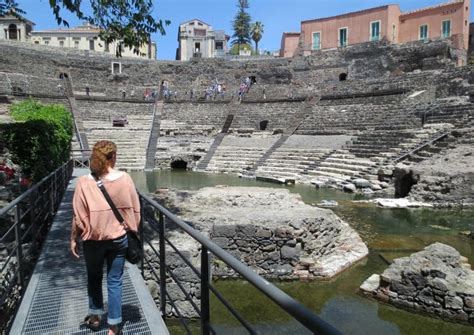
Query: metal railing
x,y
23,224
156,217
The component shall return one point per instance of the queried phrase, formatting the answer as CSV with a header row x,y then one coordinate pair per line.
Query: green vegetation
x,y
241,25
40,140
129,21
235,50
257,32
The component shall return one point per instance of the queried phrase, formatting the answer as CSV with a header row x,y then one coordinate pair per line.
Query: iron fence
x,y
159,220
23,225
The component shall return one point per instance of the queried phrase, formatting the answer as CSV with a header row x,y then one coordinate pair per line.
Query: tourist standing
x,y
103,237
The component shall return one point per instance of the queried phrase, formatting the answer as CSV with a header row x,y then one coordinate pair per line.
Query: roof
x,y
18,17
86,28
452,2
368,10
292,33
207,24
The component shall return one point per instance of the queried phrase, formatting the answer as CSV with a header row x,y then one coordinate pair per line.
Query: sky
x,y
278,16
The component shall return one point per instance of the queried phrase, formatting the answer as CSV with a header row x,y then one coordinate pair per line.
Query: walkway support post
x,y
205,305
161,228
19,249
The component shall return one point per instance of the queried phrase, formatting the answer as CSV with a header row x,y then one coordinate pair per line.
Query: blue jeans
x,y
113,252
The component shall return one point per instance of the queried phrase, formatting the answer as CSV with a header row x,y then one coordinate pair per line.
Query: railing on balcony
x,y
159,219
23,225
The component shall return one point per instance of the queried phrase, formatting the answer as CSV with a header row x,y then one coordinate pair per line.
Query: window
x,y
106,47
317,40
394,30
342,37
46,42
424,32
446,29
12,32
375,31
37,42
61,43
116,68
197,47
91,45
219,45
199,32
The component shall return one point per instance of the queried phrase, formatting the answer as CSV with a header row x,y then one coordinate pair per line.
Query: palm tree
x,y
257,32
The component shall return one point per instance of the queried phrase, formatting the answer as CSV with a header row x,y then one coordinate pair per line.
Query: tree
x,y
257,32
241,25
130,21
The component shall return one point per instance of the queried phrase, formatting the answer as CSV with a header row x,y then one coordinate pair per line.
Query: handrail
x,y
421,146
301,313
28,216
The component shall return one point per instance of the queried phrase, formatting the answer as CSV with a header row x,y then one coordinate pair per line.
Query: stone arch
x,y
262,125
343,76
16,90
181,163
12,32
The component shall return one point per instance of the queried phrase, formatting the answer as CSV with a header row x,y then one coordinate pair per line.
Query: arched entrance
x,y
343,77
12,32
179,165
263,125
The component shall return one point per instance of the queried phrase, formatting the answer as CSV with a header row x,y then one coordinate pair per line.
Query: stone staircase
x,y
341,165
204,162
458,115
154,134
440,142
132,140
234,160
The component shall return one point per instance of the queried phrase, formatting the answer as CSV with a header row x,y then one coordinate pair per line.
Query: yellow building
x,y
86,37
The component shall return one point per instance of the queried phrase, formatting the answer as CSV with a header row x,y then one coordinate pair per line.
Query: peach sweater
x,y
93,217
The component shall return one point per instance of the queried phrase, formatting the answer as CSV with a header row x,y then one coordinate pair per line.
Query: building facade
x,y
448,20
12,28
197,39
86,37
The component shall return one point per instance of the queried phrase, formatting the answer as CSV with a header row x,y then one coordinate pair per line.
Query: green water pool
x,y
389,233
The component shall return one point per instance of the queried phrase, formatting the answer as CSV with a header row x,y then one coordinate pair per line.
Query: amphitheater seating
x,y
278,114
458,115
291,163
131,140
209,115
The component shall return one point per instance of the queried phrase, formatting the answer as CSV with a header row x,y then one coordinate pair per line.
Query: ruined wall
x,y
371,60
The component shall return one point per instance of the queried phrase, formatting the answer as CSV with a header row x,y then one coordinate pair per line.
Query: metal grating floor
x,y
56,298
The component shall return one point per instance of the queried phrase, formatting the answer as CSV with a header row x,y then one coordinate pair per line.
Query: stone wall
x,y
437,281
273,232
306,73
279,115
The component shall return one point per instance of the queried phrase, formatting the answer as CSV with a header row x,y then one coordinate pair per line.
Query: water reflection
x,y
389,233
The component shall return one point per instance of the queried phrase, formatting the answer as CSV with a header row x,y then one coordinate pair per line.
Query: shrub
x,y
40,140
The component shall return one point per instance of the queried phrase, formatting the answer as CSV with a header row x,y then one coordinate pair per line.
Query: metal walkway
x,y
55,300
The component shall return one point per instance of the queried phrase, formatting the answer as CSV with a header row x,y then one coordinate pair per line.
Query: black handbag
x,y
134,250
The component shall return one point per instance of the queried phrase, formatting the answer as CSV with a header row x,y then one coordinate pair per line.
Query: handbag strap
x,y
101,186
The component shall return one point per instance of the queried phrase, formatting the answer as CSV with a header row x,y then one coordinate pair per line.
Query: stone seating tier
x,y
209,114
232,159
278,115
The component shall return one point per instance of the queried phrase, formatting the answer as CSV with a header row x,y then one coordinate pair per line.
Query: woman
x,y
104,238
